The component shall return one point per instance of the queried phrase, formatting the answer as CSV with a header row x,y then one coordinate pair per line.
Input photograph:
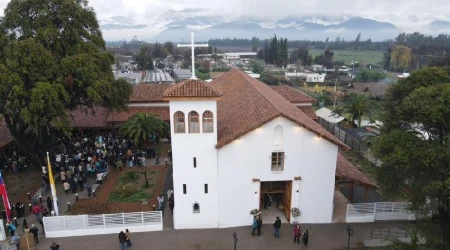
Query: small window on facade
x,y
277,161
179,124
184,189
196,208
195,162
208,122
206,188
194,122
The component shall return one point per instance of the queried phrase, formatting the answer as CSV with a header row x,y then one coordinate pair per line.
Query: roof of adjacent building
x,y
248,104
328,115
374,88
84,117
346,170
5,135
162,112
192,88
148,93
293,95
309,111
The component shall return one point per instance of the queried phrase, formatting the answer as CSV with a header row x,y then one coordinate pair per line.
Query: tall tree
x,y
401,57
414,144
169,47
358,106
53,59
144,58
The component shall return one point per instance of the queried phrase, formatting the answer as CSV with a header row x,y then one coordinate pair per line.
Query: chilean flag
x,y
5,198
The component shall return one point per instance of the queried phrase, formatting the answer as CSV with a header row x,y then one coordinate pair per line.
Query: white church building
x,y
235,139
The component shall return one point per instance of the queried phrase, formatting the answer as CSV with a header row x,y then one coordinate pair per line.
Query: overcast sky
x,y
409,15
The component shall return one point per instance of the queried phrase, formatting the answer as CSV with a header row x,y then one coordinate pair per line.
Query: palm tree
x,y
357,106
141,126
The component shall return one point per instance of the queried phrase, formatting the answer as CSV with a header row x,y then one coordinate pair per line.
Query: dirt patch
x,y
103,203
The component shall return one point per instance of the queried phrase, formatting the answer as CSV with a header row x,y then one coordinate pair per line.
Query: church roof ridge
x,y
192,88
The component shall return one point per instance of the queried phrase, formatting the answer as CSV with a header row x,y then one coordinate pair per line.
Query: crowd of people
x,y
257,226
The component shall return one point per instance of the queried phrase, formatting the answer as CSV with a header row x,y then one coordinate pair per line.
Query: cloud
x,y
149,16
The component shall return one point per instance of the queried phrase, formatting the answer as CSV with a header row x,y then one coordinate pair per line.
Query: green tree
x,y
144,58
169,47
257,66
414,143
401,57
369,76
53,59
140,127
358,106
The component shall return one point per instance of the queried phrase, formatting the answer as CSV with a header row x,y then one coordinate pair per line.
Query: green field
x,y
347,56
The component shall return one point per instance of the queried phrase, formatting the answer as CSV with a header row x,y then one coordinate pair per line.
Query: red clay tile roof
x,y
308,110
248,104
163,113
84,118
192,88
293,95
148,93
345,169
5,135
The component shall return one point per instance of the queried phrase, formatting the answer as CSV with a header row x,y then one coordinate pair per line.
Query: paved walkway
x,y
322,237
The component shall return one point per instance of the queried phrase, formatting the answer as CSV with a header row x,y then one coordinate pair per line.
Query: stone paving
x,y
322,237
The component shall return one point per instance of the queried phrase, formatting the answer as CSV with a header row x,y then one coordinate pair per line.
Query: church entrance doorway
x,y
275,197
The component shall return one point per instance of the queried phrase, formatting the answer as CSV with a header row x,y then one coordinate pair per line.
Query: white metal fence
x,y
370,212
78,225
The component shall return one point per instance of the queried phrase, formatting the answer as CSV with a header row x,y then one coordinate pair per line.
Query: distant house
x,y
375,89
239,55
130,77
306,74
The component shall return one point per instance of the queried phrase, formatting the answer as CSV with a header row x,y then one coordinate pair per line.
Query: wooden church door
x,y
287,200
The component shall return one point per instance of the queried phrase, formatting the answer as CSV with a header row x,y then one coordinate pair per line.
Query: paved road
x,y
322,237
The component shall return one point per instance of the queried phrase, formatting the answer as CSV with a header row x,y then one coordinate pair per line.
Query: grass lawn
x,y
347,56
131,187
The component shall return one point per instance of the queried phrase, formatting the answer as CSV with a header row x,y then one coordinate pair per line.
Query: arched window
x,y
208,122
196,208
194,122
179,124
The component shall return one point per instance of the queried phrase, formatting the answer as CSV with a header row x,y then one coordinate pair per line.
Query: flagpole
x,y
52,186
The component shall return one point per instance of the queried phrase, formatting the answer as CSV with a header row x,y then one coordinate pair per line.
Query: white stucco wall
x,y
184,148
307,155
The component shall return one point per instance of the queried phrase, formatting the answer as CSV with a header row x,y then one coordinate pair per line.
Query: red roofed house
x,y
235,140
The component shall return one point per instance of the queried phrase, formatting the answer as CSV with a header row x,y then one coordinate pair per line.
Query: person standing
x,y
254,225
276,227
297,233
54,246
171,205
122,239
49,204
160,201
128,237
66,187
305,238
34,230
259,225
266,200
11,228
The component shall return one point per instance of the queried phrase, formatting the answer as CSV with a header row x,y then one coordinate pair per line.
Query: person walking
x,y
160,202
16,240
11,228
254,225
297,233
66,187
122,239
54,246
49,204
128,237
259,225
276,227
24,224
34,230
305,238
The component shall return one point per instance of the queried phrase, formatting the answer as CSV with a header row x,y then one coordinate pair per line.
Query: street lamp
x,y
350,233
235,240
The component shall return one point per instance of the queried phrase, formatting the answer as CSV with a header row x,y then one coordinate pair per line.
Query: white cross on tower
x,y
193,45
